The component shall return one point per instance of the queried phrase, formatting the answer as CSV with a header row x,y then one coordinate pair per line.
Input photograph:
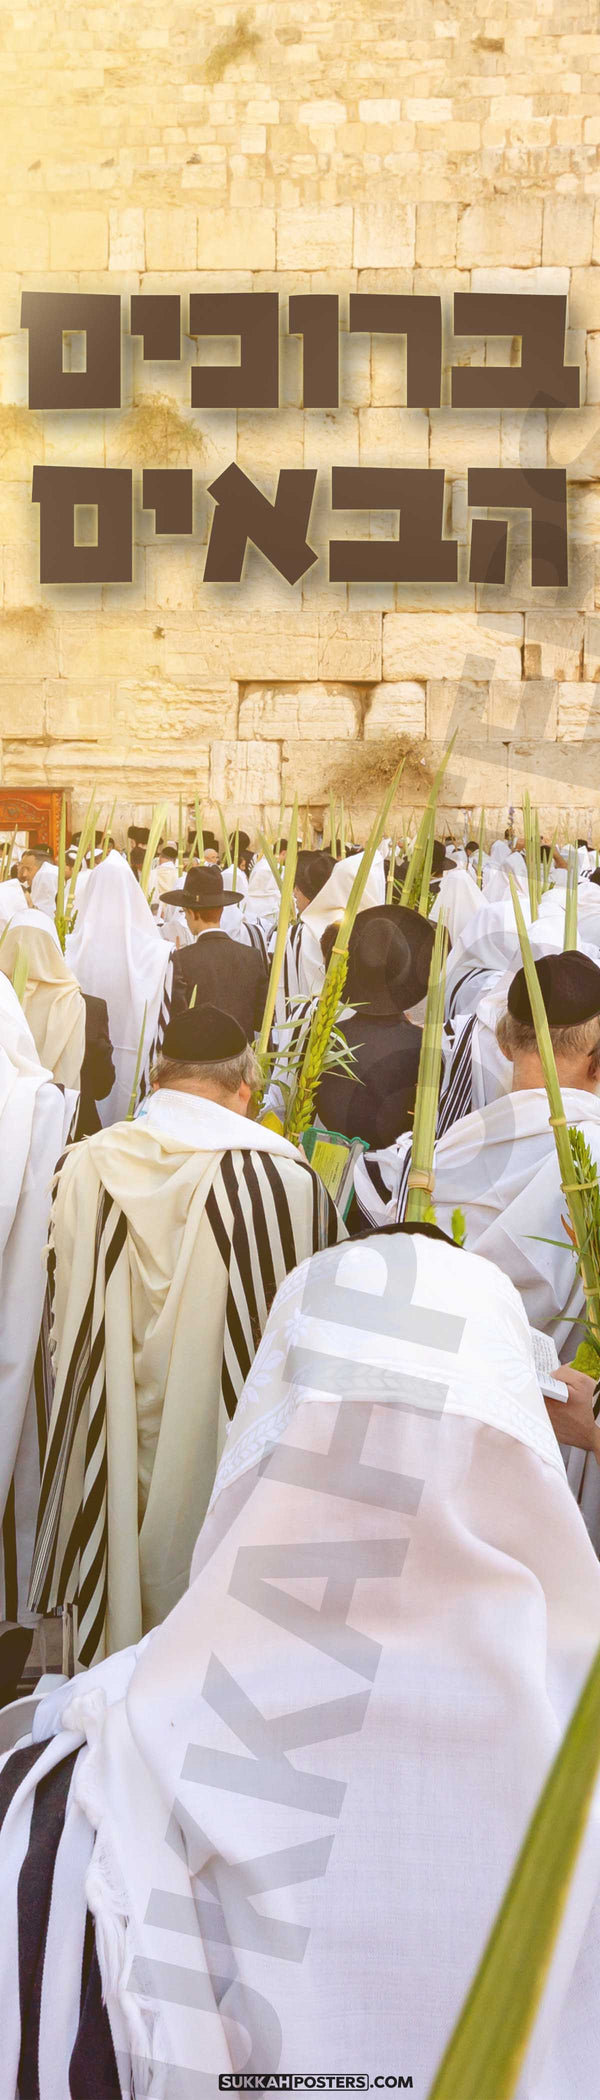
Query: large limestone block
x,y
579,712
28,642
105,647
236,238
315,238
584,299
78,710
24,239
559,775
452,645
568,230
298,712
149,709
127,248
396,709
436,235
591,648
311,769
349,645
454,704
495,231
243,774
553,645
171,239
21,708
528,708
384,234
78,240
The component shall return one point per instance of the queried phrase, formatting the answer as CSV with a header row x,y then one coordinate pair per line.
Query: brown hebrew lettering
x,y
254,316
49,316
419,555
58,490
540,490
542,380
420,320
315,316
168,491
156,316
278,529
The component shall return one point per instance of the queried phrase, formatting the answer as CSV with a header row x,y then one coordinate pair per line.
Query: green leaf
x,y
486,2051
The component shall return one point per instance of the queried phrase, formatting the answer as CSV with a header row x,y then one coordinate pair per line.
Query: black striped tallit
x,y
79,1576
251,1219
91,2071
458,1090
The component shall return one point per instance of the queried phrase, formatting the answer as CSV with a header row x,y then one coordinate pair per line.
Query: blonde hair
x,y
518,1038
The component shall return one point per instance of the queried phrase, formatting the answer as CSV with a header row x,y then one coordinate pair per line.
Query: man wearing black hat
x,y
388,967
172,1234
226,973
499,1164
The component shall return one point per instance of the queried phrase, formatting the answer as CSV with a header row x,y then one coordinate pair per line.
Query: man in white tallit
x,y
34,1122
297,1807
303,974
499,1165
52,1001
116,954
170,1236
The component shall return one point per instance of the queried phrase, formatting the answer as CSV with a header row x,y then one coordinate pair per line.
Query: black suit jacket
x,y
97,1071
228,975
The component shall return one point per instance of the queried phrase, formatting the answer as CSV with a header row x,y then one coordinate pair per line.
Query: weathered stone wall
x,y
303,145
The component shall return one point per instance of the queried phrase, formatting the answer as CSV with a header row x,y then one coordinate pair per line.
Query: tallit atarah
x,y
52,1001
171,1236
348,1718
117,954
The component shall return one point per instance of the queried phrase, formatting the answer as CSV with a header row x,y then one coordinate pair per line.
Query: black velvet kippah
x,y
570,988
203,1036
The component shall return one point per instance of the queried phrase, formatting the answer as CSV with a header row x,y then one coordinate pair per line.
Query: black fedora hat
x,y
389,956
203,890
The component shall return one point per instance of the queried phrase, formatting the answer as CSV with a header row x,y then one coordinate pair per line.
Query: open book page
x,y
546,1361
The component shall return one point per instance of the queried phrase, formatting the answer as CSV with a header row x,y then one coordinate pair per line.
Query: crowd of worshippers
x,y
198,1349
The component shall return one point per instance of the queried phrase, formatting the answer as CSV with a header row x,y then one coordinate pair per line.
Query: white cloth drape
x,y
52,1001
44,889
117,954
352,1712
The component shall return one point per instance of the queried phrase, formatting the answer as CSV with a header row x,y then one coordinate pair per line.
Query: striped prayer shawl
x,y
58,2035
260,1236
456,1101
19,1517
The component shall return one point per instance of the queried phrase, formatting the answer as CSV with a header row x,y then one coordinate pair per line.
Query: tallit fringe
x,y
106,1899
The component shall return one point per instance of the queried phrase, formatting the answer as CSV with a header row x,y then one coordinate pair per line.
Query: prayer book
x,y
546,1359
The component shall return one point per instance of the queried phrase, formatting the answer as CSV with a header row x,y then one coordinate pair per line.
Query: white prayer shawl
x,y
117,954
171,1236
500,852
459,899
500,1167
34,1123
497,883
487,947
263,896
303,974
231,917
52,1001
392,1611
13,898
15,1034
44,889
